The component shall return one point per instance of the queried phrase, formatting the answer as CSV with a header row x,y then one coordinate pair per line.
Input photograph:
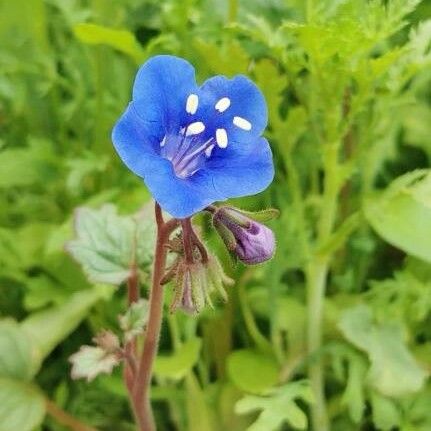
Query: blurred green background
x,y
334,332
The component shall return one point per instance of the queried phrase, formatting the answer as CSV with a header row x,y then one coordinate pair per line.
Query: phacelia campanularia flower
x,y
194,145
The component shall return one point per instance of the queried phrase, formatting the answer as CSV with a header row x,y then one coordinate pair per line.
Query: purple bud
x,y
250,241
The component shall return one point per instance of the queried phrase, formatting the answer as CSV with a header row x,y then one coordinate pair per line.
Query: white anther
x,y
222,104
192,104
195,128
209,150
221,138
242,123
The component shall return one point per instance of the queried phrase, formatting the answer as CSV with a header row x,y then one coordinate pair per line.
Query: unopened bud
x,y
251,241
107,341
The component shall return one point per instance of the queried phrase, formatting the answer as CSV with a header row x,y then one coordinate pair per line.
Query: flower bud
x,y
107,341
195,282
251,241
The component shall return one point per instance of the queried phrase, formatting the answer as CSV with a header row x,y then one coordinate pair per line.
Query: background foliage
x,y
348,88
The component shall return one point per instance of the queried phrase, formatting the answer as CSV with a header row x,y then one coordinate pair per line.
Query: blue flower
x,y
194,145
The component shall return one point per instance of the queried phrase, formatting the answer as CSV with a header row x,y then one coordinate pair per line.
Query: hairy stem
x,y
65,418
142,382
187,239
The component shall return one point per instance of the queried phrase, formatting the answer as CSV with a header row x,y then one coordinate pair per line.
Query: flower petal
x,y
242,171
137,141
235,105
162,87
137,146
181,198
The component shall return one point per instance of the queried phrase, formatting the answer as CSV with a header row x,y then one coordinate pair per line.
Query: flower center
x,y
187,151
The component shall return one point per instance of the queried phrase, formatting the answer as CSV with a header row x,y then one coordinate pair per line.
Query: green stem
x,y
309,11
317,274
233,10
316,294
261,342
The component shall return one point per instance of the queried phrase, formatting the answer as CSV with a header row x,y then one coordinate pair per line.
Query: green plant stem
x,y
233,10
142,384
317,273
316,293
309,10
65,418
261,342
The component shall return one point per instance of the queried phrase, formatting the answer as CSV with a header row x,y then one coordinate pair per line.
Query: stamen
x,y
198,150
222,104
163,141
209,150
195,128
192,104
185,166
221,138
242,123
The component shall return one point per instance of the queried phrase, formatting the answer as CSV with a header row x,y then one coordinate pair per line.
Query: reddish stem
x,y
198,243
186,225
142,383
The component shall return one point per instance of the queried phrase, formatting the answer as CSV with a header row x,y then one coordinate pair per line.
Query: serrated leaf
x,y
16,355
402,214
134,320
107,243
394,371
176,366
90,361
242,366
278,407
22,406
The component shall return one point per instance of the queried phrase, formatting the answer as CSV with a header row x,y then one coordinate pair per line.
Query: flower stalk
x,y
140,389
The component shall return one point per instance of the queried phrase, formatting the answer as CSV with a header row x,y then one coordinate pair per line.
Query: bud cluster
x,y
195,282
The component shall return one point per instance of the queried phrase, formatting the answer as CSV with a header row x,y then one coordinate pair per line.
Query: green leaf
x,y
402,214
386,415
21,167
353,396
16,356
121,40
176,366
242,366
278,407
394,371
22,406
48,328
107,243
198,409
90,361
134,320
